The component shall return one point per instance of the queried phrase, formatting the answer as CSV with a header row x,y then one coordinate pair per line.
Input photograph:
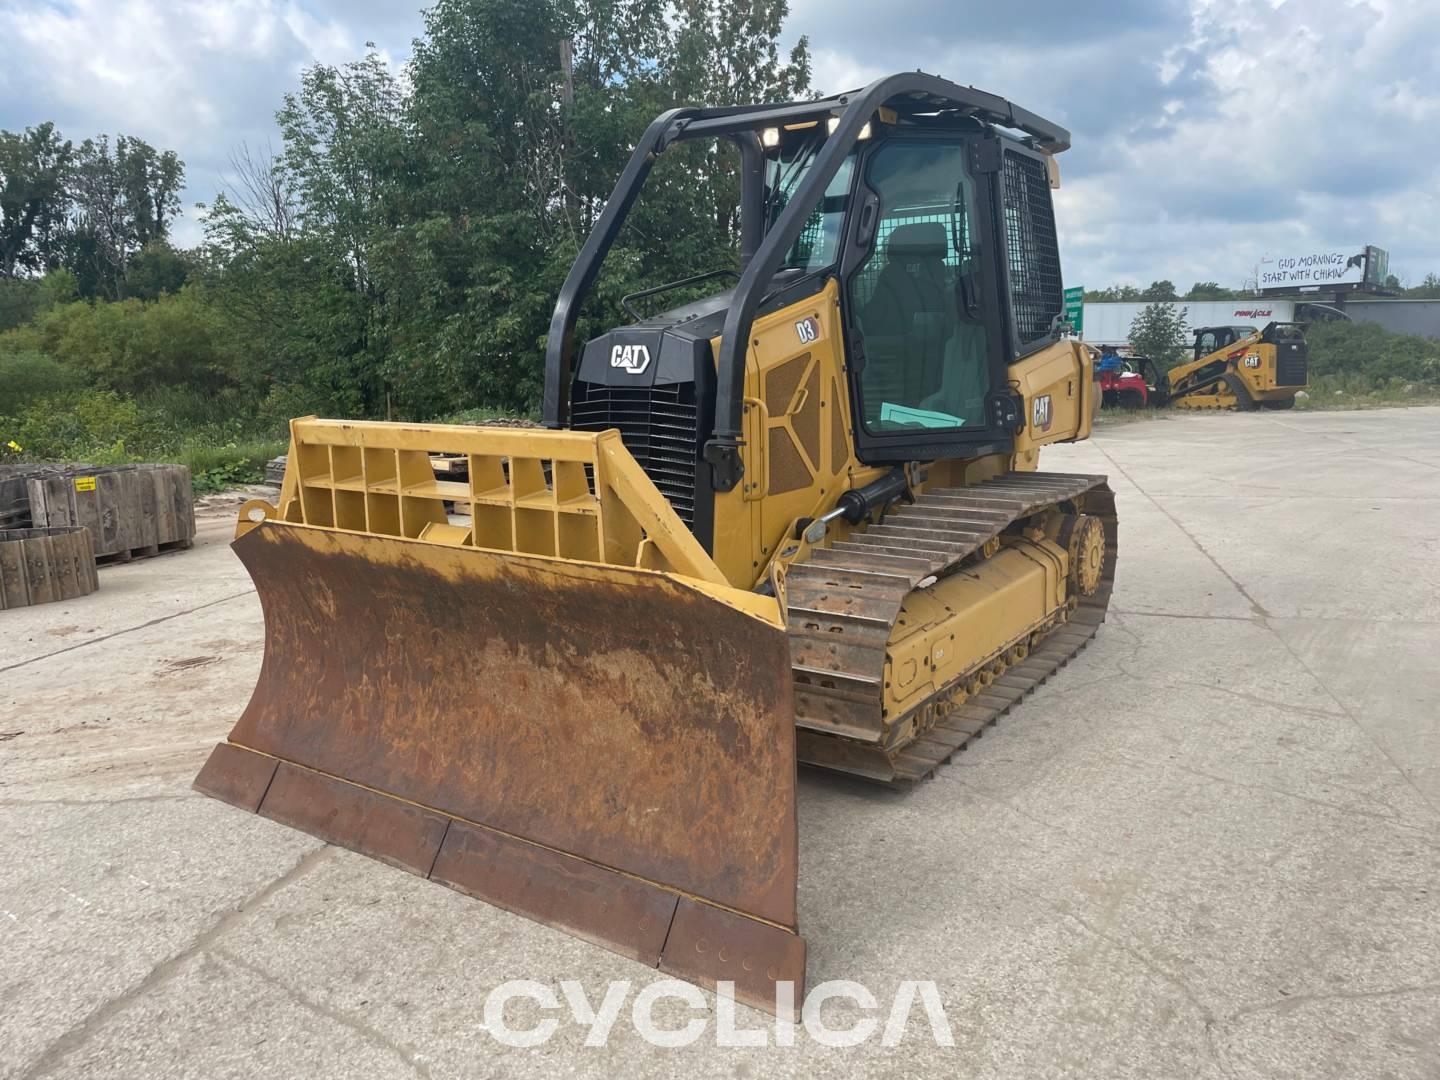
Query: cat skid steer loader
x,y
797,518
1240,367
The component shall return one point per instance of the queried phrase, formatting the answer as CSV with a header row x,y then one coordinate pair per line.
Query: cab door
x,y
921,299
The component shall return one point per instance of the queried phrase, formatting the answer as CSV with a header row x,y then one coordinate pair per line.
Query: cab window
x,y
818,244
915,298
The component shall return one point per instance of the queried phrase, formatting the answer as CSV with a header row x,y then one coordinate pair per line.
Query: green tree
x,y
156,268
34,168
122,199
1160,333
1428,289
1209,290
403,250
1161,290
1113,294
345,144
518,160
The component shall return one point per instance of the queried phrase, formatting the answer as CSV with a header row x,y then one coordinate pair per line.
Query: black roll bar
x,y
852,111
560,344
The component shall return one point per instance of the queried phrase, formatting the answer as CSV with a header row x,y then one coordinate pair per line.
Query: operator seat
x,y
909,318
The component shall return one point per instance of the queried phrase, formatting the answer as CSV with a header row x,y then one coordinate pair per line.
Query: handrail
x,y
695,279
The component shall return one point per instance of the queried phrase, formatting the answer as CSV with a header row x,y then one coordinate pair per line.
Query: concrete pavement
x,y
1208,848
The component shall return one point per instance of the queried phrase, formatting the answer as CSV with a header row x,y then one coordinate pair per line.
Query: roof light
x,y
834,123
770,137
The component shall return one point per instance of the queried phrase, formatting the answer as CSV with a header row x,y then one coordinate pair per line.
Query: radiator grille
x,y
1291,368
658,426
1032,246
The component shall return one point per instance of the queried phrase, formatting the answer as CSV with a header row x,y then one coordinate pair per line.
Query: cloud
x,y
1204,133
196,76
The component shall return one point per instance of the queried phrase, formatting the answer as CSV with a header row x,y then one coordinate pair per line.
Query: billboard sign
x,y
1377,266
1346,267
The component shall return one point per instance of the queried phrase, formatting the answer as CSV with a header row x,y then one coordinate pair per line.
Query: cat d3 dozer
x,y
797,518
1240,367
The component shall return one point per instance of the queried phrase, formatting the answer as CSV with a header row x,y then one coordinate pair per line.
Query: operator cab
x,y
1211,339
927,204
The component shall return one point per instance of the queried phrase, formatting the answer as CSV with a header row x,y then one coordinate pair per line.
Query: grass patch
x,y
1115,415
1328,392
218,468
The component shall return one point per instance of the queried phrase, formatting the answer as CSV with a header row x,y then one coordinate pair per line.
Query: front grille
x,y
658,426
1291,368
1032,245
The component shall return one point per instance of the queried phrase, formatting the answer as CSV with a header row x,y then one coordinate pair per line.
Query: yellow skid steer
x,y
796,519
1240,367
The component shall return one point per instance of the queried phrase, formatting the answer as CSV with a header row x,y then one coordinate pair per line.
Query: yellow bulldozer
x,y
1240,367
796,519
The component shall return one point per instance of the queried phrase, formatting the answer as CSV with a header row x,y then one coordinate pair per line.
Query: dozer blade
x,y
605,749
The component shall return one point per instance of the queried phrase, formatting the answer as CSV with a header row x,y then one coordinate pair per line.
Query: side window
x,y
819,241
915,300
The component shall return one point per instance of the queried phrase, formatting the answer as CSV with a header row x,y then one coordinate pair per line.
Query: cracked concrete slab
x,y
97,896
1208,848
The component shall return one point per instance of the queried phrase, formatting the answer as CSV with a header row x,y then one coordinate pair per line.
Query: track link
x,y
843,603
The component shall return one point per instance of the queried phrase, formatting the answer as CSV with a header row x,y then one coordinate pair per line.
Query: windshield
x,y
819,241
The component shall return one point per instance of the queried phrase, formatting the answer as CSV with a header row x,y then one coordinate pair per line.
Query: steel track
x,y
844,604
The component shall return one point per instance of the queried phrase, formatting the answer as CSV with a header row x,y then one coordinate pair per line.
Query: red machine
x,y
1128,387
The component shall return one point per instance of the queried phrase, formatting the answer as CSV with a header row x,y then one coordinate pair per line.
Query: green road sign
x,y
1075,308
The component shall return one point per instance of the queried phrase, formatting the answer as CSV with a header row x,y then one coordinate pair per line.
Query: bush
x,y
22,299
101,427
216,468
89,425
26,376
18,301
1368,357
136,346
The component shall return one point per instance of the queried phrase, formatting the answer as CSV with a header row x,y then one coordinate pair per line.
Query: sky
x,y
1206,133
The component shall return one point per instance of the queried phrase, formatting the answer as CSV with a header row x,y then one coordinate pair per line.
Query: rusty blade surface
x,y
386,829
707,946
612,714
621,913
236,776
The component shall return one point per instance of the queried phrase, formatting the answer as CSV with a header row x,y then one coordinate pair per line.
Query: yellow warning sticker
x,y
84,483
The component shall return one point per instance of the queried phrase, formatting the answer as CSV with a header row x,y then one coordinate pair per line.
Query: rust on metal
x,y
394,832
605,712
707,946
586,745
623,914
236,776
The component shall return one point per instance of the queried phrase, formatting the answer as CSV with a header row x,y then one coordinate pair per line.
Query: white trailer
x,y
1109,324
